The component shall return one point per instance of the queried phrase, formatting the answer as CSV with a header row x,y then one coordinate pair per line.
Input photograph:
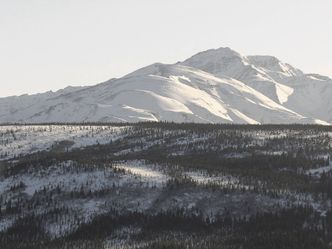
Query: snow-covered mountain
x,y
215,86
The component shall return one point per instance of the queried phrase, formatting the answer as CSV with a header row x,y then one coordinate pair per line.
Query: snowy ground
x,y
137,185
319,171
22,140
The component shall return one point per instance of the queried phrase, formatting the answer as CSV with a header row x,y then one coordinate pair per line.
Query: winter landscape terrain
x,y
221,150
215,86
165,185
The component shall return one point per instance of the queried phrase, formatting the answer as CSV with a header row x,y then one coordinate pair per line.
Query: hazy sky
x,y
50,44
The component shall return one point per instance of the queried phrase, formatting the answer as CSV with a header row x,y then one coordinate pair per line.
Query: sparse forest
x,y
165,185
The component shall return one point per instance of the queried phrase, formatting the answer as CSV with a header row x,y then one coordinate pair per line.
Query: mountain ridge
x,y
213,86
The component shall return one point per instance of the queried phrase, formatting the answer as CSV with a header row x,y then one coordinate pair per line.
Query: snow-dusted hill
x,y
215,86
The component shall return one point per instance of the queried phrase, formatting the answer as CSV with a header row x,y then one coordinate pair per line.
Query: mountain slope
x,y
216,86
259,72
307,94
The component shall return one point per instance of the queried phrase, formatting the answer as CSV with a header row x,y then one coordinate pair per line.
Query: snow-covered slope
x,y
259,72
306,94
216,86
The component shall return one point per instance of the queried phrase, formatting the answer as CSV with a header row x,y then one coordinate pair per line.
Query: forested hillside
x,y
165,185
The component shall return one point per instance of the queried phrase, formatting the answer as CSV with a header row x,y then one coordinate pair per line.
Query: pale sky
x,y
50,44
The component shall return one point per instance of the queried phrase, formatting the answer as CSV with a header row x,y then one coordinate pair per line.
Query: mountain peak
x,y
216,54
272,63
264,60
217,61
225,52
